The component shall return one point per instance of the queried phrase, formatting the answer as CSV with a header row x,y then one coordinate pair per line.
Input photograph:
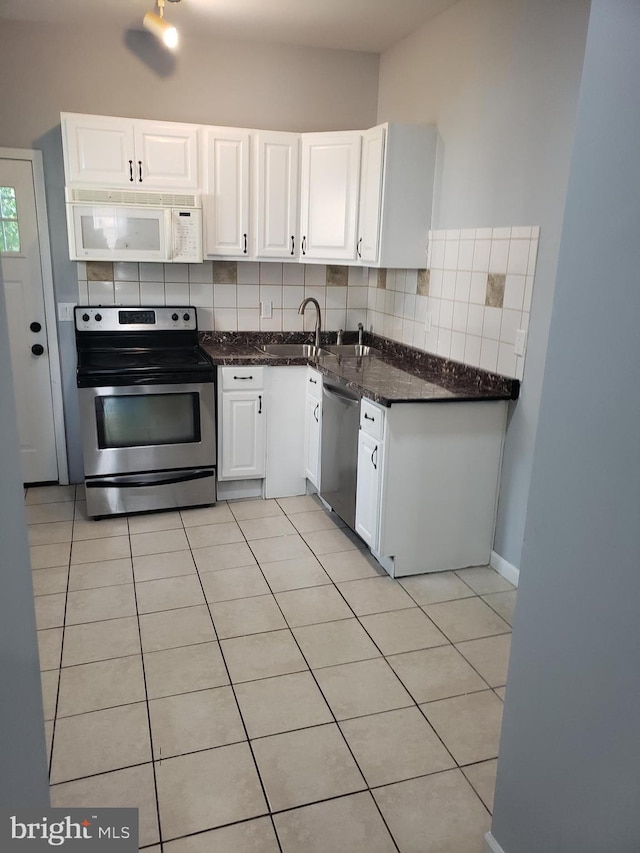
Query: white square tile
x,y
272,324
409,309
475,320
176,273
126,271
201,295
533,256
472,350
437,254
491,325
528,293
484,233
101,293
127,293
446,314
506,360
270,273
249,296
315,275
248,272
336,297
465,255
225,319
499,256
514,292
460,313
356,297
292,296
501,233
176,293
271,293
248,319
449,284
443,346
478,291
317,293
463,286
510,324
293,274
521,232
152,293
411,281
435,283
481,253
201,273
452,234
151,272
489,355
224,296
457,346
291,320
518,257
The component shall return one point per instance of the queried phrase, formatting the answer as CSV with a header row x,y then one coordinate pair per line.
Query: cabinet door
x,y
368,490
243,434
166,155
369,208
276,195
98,150
329,195
312,432
226,200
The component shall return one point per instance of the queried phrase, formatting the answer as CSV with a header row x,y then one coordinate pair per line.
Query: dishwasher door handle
x,y
344,397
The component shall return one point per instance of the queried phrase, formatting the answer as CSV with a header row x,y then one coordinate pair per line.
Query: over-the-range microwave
x,y
121,225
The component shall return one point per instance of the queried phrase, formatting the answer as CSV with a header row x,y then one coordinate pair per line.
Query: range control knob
x,y
85,318
175,318
185,317
98,317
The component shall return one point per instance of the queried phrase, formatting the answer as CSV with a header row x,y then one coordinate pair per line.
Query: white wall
x,y
500,80
56,69
570,748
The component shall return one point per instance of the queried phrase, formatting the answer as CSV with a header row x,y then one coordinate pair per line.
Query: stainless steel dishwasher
x,y
339,456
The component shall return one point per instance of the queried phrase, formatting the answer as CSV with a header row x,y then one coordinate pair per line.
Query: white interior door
x,y
22,276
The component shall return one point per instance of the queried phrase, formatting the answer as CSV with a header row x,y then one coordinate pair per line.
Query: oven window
x,y
142,420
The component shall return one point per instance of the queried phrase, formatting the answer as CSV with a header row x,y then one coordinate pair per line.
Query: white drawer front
x,y
242,378
314,384
372,418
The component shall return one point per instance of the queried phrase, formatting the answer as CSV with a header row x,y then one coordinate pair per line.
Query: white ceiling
x,y
370,25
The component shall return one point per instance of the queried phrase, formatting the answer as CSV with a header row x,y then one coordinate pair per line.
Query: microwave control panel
x,y
186,230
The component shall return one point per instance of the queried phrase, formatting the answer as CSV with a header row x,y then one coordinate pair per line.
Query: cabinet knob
x,y
37,349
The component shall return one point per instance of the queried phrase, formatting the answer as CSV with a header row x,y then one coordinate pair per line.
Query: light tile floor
x,y
252,680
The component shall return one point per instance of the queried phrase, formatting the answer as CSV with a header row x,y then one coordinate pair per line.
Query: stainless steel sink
x,y
353,350
293,350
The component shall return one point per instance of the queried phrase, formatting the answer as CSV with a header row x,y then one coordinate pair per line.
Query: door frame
x,y
55,374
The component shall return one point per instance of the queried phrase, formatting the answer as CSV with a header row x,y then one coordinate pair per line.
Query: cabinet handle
x,y
315,381
243,377
375,453
131,170
245,243
315,412
259,404
140,169
304,245
368,417
358,252
293,244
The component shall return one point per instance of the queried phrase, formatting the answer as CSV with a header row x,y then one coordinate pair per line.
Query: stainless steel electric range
x,y
147,409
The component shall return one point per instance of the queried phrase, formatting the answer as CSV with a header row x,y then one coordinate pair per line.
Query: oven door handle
x,y
125,482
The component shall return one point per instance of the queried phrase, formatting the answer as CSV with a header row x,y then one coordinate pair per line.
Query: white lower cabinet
x,y
312,427
242,423
284,388
428,477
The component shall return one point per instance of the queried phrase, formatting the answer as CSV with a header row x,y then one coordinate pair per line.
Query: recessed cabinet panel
x,y
368,490
243,435
226,199
98,150
276,195
167,155
329,195
370,195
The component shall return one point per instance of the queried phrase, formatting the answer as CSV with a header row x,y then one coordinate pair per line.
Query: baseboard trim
x,y
504,568
491,845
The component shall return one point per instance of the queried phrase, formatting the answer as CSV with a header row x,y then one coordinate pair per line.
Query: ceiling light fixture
x,y
163,30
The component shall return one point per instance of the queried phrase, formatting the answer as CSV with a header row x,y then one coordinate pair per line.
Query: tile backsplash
x,y
228,294
468,305
470,301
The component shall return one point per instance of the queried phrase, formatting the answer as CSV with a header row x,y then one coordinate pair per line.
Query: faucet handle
x,y
339,337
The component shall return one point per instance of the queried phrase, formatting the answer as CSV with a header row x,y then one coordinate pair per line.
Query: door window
x,y
9,230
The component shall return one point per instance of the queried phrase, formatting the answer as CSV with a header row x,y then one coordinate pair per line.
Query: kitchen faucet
x,y
360,331
303,305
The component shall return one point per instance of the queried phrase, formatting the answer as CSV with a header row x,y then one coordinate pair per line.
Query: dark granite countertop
x,y
400,374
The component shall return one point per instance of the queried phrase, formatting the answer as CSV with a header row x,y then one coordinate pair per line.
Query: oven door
x,y
140,428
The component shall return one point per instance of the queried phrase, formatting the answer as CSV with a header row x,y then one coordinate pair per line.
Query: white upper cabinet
x,y
329,188
225,174
104,151
275,194
371,174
